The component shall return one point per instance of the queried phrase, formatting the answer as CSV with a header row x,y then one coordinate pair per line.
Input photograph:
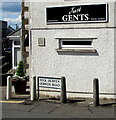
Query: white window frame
x,y
74,46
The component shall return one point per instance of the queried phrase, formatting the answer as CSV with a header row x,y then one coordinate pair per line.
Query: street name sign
x,y
50,82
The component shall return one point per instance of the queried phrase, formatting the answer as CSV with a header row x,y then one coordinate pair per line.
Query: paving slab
x,y
45,107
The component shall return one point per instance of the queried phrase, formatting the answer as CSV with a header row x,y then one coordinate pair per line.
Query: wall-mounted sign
x,y
41,41
50,82
77,14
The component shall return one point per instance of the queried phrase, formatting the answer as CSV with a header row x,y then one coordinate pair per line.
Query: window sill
x,y
77,50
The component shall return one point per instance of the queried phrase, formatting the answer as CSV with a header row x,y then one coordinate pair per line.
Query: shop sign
x,y
50,82
77,14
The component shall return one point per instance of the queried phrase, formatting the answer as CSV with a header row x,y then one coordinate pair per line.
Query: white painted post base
x,y
9,88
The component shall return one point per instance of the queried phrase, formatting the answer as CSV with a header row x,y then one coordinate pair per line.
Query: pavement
x,y
21,107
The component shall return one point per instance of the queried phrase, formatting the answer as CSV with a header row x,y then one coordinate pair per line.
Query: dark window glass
x,y
16,42
17,56
76,42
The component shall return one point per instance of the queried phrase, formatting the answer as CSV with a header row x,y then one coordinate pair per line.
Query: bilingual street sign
x,y
49,82
77,14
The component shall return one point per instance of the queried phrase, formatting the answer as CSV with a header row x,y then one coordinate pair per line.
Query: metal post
x,y
33,88
38,86
95,92
9,88
63,90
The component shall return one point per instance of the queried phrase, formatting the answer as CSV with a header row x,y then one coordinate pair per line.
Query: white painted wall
x,y
38,19
78,68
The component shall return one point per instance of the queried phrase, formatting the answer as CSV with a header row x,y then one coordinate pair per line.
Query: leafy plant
x,y
19,71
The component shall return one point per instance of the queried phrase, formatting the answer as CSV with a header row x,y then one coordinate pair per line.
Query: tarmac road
x,y
40,109
17,108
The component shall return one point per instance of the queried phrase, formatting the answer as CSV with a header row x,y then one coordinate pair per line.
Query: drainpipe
x,y
23,58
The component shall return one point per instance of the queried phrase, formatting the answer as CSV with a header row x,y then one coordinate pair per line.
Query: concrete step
x,y
4,65
3,80
4,68
2,59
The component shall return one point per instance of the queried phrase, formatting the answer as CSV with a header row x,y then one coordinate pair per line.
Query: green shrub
x,y
19,71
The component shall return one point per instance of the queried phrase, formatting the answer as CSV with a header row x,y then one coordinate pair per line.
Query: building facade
x,y
75,39
3,26
15,37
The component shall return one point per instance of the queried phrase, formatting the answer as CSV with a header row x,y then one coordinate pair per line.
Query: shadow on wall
x,y
79,54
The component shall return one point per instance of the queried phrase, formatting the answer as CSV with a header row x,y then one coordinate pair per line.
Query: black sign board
x,y
77,14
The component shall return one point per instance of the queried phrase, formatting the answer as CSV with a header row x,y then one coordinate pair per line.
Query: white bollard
x,y
9,88
33,88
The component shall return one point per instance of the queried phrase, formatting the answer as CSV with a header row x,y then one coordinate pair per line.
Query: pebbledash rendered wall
x,y
79,68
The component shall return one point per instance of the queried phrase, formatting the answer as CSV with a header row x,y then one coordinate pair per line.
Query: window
x,y
75,45
16,53
17,56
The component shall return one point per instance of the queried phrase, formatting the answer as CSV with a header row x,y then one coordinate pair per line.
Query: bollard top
x,y
95,79
33,76
62,77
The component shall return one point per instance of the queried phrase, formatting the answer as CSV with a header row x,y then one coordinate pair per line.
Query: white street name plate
x,y
50,82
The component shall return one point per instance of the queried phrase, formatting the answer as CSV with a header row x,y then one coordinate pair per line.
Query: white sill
x,y
77,50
